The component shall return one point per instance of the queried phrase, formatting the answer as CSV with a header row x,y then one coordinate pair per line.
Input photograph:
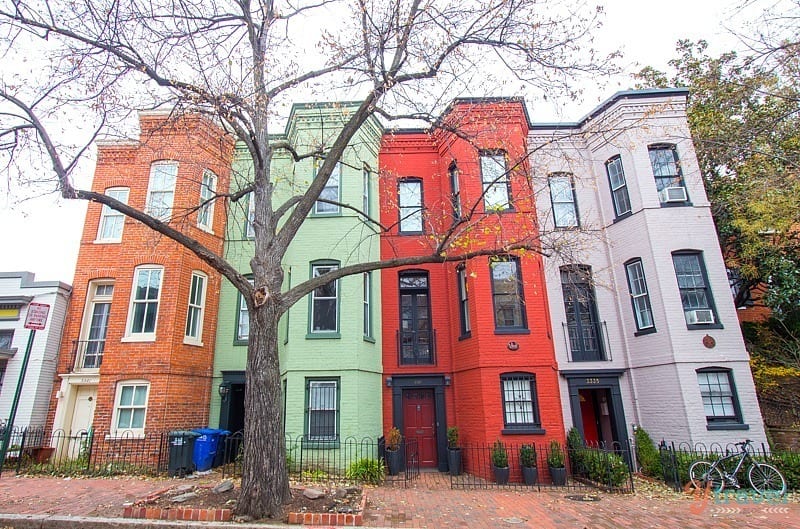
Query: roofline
x,y
602,107
26,280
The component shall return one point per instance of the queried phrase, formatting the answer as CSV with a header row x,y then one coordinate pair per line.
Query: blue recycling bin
x,y
205,447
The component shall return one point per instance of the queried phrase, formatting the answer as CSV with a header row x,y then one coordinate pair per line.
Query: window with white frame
x,y
161,190
250,230
640,297
719,396
111,220
130,408
208,188
455,191
562,197
95,325
509,305
667,172
145,297
322,410
331,191
324,301
365,191
367,280
520,402
409,192
463,300
619,186
194,315
243,319
496,185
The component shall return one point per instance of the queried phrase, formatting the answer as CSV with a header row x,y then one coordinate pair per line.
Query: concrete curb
x,y
43,521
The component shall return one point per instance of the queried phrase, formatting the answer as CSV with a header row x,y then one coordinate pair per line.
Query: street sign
x,y
37,316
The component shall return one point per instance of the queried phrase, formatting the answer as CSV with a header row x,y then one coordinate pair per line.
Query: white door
x,y
83,413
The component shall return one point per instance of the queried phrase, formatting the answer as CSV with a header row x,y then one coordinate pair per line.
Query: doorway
x,y
596,406
231,412
419,423
596,416
83,411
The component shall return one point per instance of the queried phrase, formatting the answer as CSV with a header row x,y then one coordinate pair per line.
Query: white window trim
x,y
150,189
143,336
92,299
314,298
106,212
132,433
196,340
337,170
208,208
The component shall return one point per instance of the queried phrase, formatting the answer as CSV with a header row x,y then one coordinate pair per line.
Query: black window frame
x,y
640,330
511,428
621,190
573,200
413,209
329,441
463,301
520,297
722,422
675,179
416,359
455,191
706,288
506,178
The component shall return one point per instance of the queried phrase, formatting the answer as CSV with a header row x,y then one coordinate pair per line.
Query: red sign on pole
x,y
37,316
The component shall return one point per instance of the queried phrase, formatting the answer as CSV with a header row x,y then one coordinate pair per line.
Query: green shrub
x,y
603,467
555,457
527,456
365,470
574,439
452,437
789,465
499,454
647,454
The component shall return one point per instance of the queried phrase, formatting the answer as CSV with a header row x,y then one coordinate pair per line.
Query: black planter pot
x,y
394,461
454,461
559,476
501,474
530,475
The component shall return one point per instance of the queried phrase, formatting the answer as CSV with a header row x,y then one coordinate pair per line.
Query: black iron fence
x,y
676,458
537,466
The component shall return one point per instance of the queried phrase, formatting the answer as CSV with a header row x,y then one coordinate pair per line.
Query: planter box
x,y
454,461
501,474
530,475
559,476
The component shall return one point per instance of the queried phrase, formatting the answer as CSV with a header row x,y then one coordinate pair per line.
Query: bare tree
x,y
241,61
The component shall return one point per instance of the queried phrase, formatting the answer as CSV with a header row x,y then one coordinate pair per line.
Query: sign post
x,y
36,319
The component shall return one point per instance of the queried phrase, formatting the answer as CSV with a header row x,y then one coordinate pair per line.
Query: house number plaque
x,y
592,380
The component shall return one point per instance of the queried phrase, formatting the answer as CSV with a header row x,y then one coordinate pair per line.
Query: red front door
x,y
419,420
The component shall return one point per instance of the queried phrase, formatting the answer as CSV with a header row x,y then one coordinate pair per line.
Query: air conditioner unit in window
x,y
699,316
673,194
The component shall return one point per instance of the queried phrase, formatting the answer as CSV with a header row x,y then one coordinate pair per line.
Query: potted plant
x,y
527,459
453,451
393,455
555,464
500,462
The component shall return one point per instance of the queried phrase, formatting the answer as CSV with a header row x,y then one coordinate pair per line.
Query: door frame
x,y
228,379
598,379
437,383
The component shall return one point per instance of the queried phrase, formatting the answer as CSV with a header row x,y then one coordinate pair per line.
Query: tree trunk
x,y
265,483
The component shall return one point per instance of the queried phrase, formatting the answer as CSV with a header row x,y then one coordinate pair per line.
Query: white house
x,y
643,319
17,291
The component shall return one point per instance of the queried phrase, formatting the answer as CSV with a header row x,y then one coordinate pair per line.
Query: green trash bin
x,y
181,448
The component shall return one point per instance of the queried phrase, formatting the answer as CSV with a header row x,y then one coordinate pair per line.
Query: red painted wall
x,y
474,363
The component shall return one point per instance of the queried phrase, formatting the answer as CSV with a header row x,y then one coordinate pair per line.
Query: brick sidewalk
x,y
430,503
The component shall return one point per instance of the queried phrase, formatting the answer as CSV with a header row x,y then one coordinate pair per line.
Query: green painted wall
x,y
351,358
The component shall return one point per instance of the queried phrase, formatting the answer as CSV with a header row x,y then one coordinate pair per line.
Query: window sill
x,y
533,430
207,229
567,228
8,353
411,233
133,338
321,445
323,215
238,341
622,217
701,326
369,339
512,331
644,332
192,341
107,241
727,426
688,203
126,436
465,336
323,336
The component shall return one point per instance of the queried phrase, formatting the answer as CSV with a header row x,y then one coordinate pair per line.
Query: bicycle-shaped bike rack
x,y
713,476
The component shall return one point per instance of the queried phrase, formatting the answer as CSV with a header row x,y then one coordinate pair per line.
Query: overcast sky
x,y
41,235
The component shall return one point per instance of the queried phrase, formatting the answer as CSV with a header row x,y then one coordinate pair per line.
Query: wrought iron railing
x,y
587,342
87,354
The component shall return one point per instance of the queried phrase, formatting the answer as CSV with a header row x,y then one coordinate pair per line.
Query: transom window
x,y
562,196
131,408
197,299
111,220
496,185
144,302
509,305
161,192
331,192
324,301
208,187
719,396
322,410
520,406
640,297
410,202
619,186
